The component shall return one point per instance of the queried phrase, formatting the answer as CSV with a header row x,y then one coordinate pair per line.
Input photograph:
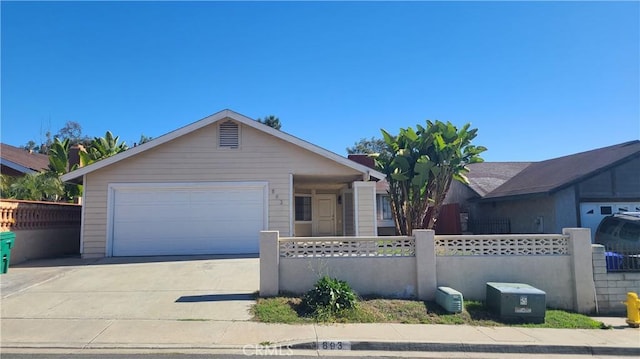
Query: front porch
x,y
328,206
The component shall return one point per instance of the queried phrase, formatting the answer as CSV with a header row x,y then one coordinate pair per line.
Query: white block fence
x,y
611,286
413,267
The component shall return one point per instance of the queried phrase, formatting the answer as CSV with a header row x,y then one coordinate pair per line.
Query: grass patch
x,y
561,319
278,310
289,310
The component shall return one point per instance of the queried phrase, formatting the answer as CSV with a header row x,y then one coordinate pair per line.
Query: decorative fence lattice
x,y
15,215
502,245
347,247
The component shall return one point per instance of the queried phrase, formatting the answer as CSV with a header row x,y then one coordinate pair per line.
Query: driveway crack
x,y
315,331
99,334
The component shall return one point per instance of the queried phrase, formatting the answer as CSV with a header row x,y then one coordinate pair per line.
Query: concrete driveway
x,y
177,288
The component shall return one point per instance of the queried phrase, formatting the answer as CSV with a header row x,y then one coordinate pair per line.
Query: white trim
x,y
16,166
291,207
375,213
344,215
356,205
111,196
82,217
265,203
112,187
224,114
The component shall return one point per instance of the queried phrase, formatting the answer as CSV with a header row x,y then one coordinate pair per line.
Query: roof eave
x,y
511,197
74,175
16,166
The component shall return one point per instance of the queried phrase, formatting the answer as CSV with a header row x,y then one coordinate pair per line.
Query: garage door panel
x,y
195,219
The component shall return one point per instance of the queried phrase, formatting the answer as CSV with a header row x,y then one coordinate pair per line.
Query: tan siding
x,y
196,157
349,228
366,209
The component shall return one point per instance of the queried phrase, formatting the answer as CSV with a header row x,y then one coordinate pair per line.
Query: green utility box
x,y
516,302
450,299
7,239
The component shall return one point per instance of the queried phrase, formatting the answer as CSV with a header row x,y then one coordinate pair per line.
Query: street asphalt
x,y
202,304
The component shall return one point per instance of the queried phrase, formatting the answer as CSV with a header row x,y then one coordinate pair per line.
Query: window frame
x,y
383,222
295,210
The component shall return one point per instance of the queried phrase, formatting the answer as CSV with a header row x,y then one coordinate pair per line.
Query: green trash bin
x,y
7,239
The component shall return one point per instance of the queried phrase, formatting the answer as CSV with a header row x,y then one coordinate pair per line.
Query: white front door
x,y
324,224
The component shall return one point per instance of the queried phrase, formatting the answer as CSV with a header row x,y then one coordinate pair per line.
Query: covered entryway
x,y
149,219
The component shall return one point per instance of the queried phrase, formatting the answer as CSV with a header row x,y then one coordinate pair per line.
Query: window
x,y
229,135
303,208
605,210
630,231
608,225
384,208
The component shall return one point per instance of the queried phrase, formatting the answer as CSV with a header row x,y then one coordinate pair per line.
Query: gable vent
x,y
228,136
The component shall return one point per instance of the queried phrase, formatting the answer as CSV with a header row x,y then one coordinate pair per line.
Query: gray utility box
x,y
516,302
449,299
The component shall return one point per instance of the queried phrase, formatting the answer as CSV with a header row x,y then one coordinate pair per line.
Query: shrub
x,y
329,297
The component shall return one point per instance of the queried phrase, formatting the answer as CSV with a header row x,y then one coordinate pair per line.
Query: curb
x,y
482,348
370,346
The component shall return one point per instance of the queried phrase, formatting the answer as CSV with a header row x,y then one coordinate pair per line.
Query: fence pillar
x,y
584,290
426,276
269,263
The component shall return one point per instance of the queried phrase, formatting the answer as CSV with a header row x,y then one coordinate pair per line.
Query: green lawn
x,y
289,310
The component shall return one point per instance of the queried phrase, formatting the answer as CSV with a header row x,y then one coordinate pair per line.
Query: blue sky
x,y
539,80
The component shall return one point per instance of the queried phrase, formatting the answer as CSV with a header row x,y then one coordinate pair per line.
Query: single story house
x,y
210,188
577,190
17,162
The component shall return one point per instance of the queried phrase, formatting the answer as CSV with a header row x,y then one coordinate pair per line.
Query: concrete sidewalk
x,y
161,335
201,304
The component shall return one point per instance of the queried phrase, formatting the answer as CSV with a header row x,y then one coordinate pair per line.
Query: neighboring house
x,y
210,187
17,162
543,197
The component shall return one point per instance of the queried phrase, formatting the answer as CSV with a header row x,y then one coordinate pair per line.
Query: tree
x,y
59,165
5,185
101,148
41,186
44,147
420,166
271,121
368,146
31,146
73,132
144,139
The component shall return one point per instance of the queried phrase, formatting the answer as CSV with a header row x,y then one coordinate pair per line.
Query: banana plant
x,y
59,165
101,148
59,157
420,165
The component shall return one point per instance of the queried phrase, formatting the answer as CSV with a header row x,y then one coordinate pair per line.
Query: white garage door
x,y
183,219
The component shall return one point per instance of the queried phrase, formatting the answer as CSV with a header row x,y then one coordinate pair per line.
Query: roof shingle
x,y
22,157
554,174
